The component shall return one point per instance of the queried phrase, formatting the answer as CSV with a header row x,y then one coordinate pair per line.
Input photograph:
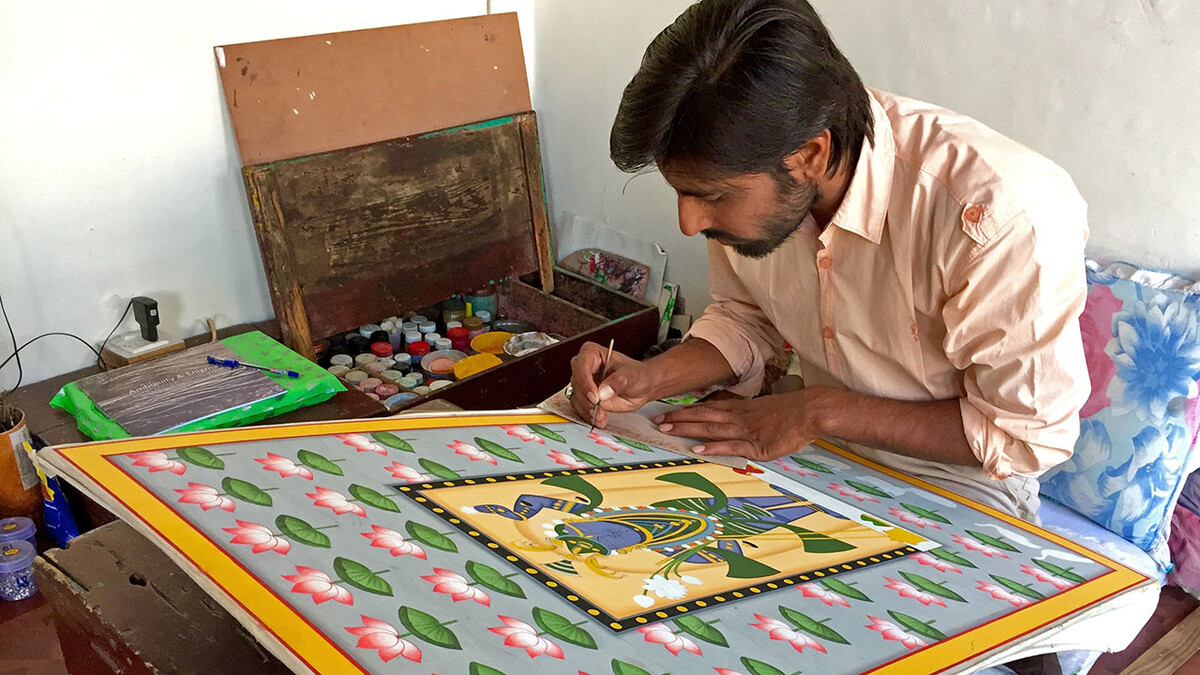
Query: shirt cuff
x,y
740,353
1002,455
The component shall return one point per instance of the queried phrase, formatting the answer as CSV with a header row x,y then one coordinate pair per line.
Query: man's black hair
x,y
740,85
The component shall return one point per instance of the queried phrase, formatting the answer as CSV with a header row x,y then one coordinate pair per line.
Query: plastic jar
x,y
417,351
483,300
459,338
474,326
16,570
486,317
18,528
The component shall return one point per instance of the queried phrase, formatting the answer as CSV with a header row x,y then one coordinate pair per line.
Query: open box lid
x,y
387,168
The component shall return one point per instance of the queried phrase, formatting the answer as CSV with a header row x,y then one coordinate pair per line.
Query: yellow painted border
x,y
288,626
982,639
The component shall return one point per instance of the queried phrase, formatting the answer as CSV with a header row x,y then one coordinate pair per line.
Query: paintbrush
x,y
603,374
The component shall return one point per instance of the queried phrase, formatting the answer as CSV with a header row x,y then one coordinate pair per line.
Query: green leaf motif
x,y
931,586
740,567
247,492
633,444
1017,587
588,457
491,578
434,469
497,450
842,588
993,541
1060,572
863,487
926,513
560,627
374,498
812,626
914,625
951,556
621,668
547,433
428,628
811,465
319,462
756,667
430,537
361,577
392,441
201,457
696,627
480,669
299,531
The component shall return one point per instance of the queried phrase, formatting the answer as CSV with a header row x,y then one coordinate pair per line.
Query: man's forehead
x,y
695,175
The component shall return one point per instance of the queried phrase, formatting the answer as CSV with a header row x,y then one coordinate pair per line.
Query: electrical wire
x,y
99,360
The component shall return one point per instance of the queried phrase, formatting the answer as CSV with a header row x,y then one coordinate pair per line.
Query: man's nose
x,y
693,216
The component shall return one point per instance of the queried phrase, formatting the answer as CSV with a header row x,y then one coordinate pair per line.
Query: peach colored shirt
x,y
954,268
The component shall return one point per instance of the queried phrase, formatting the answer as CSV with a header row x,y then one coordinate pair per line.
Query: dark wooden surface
x,y
1173,606
350,236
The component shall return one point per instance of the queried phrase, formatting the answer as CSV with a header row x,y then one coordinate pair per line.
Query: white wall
x,y
1106,88
119,174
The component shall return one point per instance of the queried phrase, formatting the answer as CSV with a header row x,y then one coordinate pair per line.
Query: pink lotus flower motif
x,y
522,432
1096,326
205,497
157,460
566,460
520,634
935,562
726,671
331,499
1002,593
786,465
1044,576
318,584
471,452
912,518
406,473
779,630
383,637
260,536
907,590
610,443
973,545
813,590
891,631
284,466
456,586
659,633
362,443
382,537
846,491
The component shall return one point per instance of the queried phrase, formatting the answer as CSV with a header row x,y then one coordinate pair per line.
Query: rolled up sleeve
x,y
1013,330
736,325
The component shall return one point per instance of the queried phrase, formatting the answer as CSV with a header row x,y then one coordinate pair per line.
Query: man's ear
x,y
811,160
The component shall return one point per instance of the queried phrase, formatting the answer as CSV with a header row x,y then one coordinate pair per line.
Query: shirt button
x,y
827,332
825,263
973,213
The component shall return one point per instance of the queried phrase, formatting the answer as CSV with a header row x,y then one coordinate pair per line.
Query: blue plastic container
x,y
16,570
12,529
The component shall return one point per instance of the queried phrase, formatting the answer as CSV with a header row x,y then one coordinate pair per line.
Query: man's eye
x,y
712,199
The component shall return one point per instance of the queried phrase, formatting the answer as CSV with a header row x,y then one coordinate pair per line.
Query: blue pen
x,y
231,363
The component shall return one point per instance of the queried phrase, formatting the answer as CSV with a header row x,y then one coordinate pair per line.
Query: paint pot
x,y
451,325
396,339
527,343
400,399
338,370
475,364
432,338
491,342
382,349
355,376
364,359
514,326
409,326
417,351
375,367
402,365
418,319
453,309
18,528
458,338
370,384
16,570
422,390
388,362
366,330
372,395
412,336
483,300
341,360
474,326
427,327
486,318
393,376
411,381
440,384
443,345
386,390
358,344
440,365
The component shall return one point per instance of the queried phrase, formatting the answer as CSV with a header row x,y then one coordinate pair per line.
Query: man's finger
x,y
717,431
702,412
735,448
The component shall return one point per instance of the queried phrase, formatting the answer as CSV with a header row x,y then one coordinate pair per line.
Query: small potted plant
x,y
18,479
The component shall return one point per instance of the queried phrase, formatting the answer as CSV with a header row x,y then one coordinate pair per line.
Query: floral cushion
x,y
1138,428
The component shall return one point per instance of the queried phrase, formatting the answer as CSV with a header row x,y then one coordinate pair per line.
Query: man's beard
x,y
794,201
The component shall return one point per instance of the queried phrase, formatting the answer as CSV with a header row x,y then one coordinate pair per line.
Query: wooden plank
x,y
1172,651
536,186
352,235
305,95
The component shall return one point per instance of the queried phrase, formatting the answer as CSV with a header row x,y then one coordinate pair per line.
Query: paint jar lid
x,y
386,390
370,384
355,376
451,325
418,318
418,348
375,367
430,337
365,358
484,316
410,381
458,333
408,326
443,344
412,336
378,336
382,349
400,399
473,323
388,362
16,555
342,360
421,390
439,384
427,326
358,344
366,330
338,370
17,527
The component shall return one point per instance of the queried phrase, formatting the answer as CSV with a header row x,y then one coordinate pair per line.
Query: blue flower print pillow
x,y
1138,428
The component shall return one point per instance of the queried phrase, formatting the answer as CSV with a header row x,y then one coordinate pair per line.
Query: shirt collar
x,y
864,207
